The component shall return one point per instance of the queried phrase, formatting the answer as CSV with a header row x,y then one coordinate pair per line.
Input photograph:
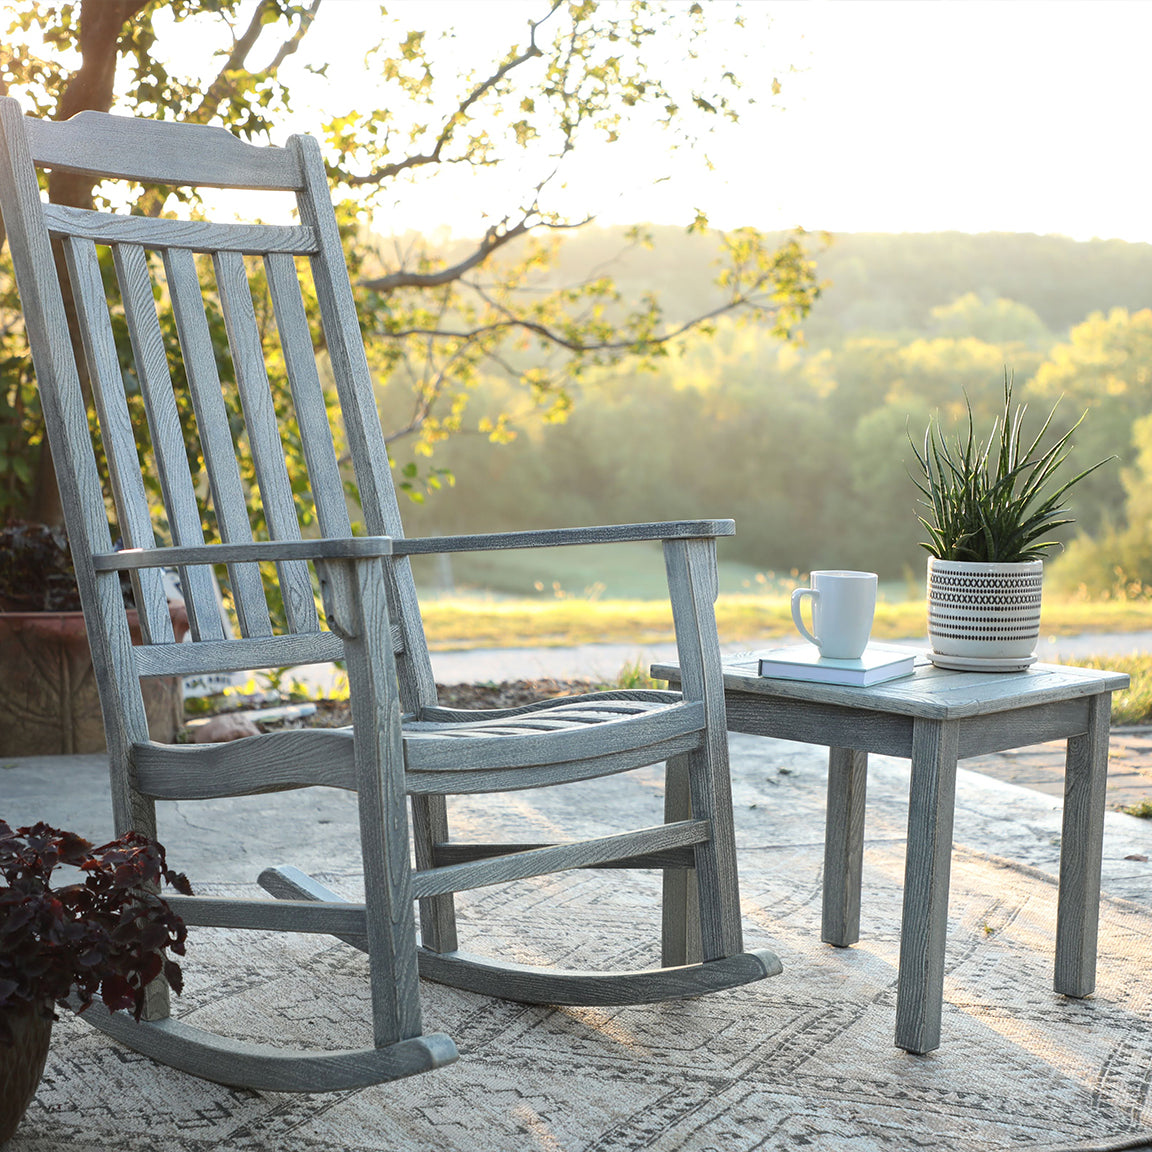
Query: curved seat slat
x,y
441,714
469,781
427,751
272,762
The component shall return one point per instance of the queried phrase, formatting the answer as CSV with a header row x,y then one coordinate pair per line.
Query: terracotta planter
x,y
49,704
21,1065
984,615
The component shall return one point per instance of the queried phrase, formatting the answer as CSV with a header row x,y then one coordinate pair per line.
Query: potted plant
x,y
991,504
50,704
106,933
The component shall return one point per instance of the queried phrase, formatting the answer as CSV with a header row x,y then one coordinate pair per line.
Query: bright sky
x,y
1018,116
903,115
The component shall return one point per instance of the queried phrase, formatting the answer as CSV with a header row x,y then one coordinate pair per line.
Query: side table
x,y
935,718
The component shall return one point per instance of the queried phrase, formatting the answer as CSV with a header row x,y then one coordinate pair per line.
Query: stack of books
x,y
880,662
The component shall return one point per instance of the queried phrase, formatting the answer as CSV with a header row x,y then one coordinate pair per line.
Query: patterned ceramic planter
x,y
984,615
21,1065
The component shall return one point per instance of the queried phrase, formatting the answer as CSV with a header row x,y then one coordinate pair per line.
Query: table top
x,y
930,692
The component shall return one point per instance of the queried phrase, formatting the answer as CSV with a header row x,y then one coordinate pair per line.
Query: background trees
x,y
436,318
807,446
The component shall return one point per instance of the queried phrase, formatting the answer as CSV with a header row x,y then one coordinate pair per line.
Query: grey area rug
x,y
801,1061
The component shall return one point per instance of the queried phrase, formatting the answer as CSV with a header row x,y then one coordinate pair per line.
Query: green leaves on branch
x,y
990,500
440,318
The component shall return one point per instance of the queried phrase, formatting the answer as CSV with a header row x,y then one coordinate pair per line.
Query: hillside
x,y
889,282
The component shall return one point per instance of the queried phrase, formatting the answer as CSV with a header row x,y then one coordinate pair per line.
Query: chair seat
x,y
554,715
552,739
576,738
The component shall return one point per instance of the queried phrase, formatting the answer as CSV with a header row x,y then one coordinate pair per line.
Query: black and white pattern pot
x,y
984,615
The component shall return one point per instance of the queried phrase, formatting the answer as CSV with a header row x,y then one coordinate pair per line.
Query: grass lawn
x,y
1133,706
464,623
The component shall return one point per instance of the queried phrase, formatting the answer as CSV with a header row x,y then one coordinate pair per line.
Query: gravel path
x,y
604,661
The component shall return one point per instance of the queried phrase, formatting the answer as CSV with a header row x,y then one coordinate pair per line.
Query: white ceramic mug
x,y
843,604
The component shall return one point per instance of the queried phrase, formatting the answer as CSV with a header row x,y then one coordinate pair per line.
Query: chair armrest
x,y
347,548
553,537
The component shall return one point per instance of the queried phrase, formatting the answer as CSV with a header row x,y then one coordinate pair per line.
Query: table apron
x,y
1019,727
887,734
816,723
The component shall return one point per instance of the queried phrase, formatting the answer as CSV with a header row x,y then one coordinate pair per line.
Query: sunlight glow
x,y
969,115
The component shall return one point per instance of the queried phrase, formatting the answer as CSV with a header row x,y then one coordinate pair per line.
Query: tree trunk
x,y
101,25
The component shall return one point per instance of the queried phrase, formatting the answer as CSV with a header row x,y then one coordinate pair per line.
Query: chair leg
x,y
692,586
680,935
437,913
355,599
132,811
721,931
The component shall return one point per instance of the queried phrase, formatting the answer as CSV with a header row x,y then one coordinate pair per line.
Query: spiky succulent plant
x,y
993,500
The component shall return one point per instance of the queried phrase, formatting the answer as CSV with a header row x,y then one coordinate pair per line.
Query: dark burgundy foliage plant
x,y
36,573
107,934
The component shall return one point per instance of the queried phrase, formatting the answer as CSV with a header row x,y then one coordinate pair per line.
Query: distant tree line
x,y
807,447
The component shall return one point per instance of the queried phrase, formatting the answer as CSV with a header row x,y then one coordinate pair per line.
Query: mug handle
x,y
798,595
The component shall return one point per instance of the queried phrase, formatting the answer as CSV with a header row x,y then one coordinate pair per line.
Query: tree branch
x,y
91,86
152,202
219,87
493,239
388,170
554,337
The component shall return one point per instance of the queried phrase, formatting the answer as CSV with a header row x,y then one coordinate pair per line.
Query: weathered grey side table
x,y
935,718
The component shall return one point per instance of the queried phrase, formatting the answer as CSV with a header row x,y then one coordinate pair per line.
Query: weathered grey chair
x,y
369,603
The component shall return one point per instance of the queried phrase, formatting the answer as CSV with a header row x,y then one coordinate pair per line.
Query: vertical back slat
x,y
228,501
345,346
124,466
264,435
307,395
65,414
167,438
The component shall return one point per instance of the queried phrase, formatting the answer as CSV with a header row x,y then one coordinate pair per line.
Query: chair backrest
x,y
206,460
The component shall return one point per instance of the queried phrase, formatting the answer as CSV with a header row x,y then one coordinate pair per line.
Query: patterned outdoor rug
x,y
801,1061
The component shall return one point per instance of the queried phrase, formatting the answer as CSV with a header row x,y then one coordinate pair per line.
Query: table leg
x,y
680,930
931,804
844,846
1081,848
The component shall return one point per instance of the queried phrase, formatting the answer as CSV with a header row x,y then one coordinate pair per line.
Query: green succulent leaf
x,y
992,500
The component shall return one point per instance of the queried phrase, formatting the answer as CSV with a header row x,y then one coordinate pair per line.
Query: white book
x,y
880,662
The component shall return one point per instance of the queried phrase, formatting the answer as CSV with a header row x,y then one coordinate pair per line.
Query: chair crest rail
x,y
159,152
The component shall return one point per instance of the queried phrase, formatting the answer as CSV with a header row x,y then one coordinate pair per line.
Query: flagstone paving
x,y
1041,767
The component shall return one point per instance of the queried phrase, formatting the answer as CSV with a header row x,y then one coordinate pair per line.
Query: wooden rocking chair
x,y
401,742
